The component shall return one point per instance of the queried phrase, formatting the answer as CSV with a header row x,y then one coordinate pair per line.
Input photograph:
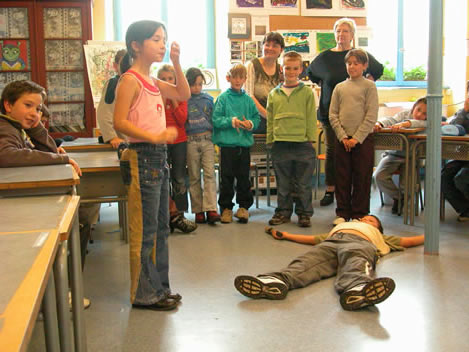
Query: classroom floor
x,y
428,311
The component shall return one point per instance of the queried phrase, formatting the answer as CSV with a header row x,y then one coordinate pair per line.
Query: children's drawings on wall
x,y
14,55
265,7
62,22
99,62
339,8
319,4
324,41
210,75
64,55
297,41
250,3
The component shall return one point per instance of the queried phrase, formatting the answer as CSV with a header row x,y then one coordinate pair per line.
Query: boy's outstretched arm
x,y
305,239
412,241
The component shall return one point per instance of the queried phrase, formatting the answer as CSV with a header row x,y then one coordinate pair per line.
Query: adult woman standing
x,y
328,69
264,74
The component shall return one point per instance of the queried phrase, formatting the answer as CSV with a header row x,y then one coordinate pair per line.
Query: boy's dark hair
x,y
417,102
359,54
237,70
380,224
292,55
275,37
138,32
15,90
45,111
119,55
192,74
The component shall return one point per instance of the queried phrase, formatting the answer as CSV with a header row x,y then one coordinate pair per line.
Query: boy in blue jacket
x,y
234,118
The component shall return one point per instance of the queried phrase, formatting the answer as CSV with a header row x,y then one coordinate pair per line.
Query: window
x,y
400,41
190,23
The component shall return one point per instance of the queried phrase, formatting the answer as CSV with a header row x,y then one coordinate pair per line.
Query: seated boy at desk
x,y
349,251
24,141
455,174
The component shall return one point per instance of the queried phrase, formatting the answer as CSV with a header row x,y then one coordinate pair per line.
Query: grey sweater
x,y
354,109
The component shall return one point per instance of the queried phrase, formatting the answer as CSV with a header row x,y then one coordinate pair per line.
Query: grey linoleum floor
x,y
428,311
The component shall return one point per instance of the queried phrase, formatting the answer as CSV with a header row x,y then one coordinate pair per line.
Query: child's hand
x,y
345,142
443,123
61,150
466,105
236,123
174,53
75,166
398,126
377,127
352,142
115,142
246,124
37,120
169,135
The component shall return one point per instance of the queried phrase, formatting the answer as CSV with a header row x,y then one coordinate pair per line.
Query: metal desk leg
x,y
51,328
267,166
61,292
77,289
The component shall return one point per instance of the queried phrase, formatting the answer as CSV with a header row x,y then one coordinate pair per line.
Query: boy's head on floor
x,y
22,101
237,76
373,221
356,62
292,66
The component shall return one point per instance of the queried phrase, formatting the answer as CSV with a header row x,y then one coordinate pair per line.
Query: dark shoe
x,y
164,304
327,200
278,219
374,292
200,218
181,223
175,297
464,216
261,287
395,206
304,221
213,217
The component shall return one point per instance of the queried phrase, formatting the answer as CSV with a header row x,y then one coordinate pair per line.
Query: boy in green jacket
x,y
291,127
234,118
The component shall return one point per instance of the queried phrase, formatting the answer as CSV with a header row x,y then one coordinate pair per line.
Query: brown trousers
x,y
354,171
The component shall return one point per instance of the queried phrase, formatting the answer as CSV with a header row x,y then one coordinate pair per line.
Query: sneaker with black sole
x,y
278,219
374,292
328,199
304,221
181,223
164,304
261,287
226,216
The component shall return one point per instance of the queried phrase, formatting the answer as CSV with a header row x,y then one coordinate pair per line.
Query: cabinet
x,y
43,41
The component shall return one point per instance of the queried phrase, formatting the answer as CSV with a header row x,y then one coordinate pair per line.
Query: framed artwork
x,y
265,7
14,55
239,26
338,8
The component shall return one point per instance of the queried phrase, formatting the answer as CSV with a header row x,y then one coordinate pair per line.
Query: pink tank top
x,y
147,112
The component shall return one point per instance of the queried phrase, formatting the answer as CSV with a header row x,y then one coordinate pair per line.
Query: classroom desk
x,y
54,213
452,148
101,182
86,145
385,139
27,279
38,180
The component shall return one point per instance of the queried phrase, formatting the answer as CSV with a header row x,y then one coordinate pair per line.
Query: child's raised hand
x,y
377,127
174,53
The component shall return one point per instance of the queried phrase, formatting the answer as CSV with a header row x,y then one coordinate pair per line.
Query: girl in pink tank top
x,y
139,114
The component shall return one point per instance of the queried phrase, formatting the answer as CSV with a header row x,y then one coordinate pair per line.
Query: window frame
x,y
399,81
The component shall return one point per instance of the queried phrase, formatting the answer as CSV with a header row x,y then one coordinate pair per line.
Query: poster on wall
x,y
99,57
339,8
260,27
266,7
14,55
324,41
301,41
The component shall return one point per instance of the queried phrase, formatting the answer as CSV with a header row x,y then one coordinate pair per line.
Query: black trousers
x,y
235,163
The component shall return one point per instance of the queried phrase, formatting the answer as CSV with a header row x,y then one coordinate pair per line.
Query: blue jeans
x,y
455,185
148,221
293,166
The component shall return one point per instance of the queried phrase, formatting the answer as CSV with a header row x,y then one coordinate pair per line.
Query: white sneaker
x,y
261,287
338,220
